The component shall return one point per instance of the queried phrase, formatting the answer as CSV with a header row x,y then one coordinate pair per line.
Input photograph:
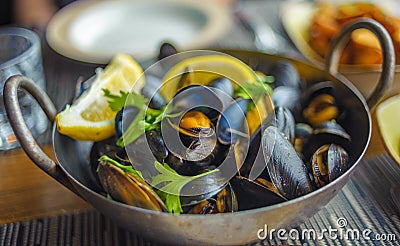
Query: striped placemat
x,y
367,204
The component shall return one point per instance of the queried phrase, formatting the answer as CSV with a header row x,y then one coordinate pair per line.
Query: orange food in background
x,y
363,46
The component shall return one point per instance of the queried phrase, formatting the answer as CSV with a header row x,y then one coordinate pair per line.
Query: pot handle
x,y
388,55
22,132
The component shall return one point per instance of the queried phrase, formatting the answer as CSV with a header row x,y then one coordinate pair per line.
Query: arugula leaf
x,y
254,91
266,78
172,202
147,118
117,102
134,131
128,169
175,183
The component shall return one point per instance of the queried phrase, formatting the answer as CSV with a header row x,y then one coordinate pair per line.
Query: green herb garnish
x,y
254,91
175,182
147,118
128,169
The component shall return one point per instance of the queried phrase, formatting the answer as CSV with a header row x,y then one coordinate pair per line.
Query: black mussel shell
x,y
223,88
287,171
128,188
303,132
145,150
157,145
128,113
166,49
285,74
253,194
230,125
328,163
104,147
199,98
223,202
199,163
254,163
332,128
326,133
284,121
287,97
151,91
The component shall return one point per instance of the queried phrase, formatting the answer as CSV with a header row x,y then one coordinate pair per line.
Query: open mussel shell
x,y
196,97
328,163
319,104
326,133
287,171
253,194
284,121
192,139
203,188
332,128
224,201
231,123
254,163
194,124
128,188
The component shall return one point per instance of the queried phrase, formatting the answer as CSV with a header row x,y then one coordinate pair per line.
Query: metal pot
x,y
234,228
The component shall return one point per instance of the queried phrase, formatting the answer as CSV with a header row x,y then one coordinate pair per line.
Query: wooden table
x,y
26,192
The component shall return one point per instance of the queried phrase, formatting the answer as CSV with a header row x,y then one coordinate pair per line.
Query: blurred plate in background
x,y
94,31
296,17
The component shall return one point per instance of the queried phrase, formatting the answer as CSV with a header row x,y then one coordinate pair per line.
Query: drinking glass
x,y
20,53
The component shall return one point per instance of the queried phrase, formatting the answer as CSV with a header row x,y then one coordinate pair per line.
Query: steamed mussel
x,y
276,155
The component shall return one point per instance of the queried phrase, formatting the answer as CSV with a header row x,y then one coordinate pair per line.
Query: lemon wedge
x,y
90,118
203,69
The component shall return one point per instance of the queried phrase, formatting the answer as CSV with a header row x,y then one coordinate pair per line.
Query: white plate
x,y
95,30
296,17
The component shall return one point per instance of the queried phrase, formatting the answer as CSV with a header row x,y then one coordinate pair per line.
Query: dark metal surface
x,y
224,228
364,204
21,130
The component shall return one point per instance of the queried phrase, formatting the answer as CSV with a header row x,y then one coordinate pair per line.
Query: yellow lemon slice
x,y
202,70
90,118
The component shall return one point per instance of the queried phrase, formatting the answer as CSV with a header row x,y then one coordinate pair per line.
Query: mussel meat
x,y
223,202
320,103
128,188
328,163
